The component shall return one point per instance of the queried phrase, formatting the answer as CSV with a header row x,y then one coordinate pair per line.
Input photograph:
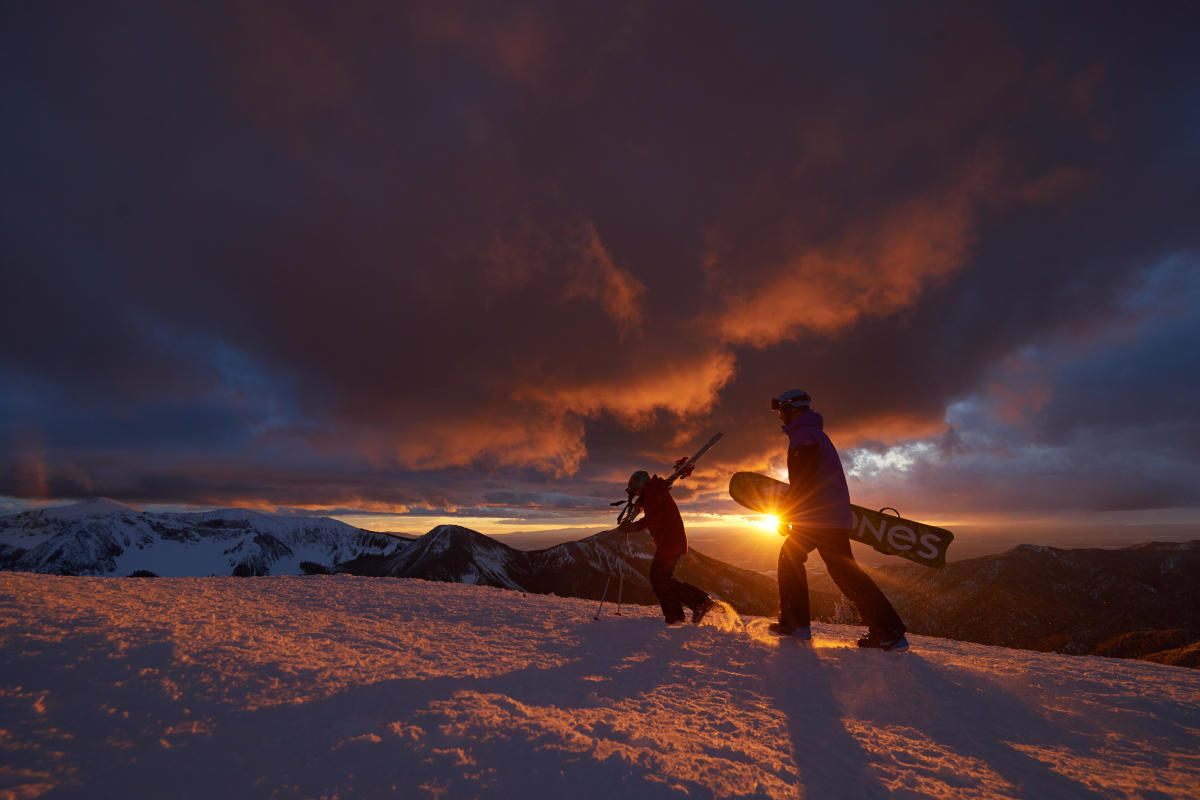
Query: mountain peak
x,y
452,530
95,507
459,536
445,537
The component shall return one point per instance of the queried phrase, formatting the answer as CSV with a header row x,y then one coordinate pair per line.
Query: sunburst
x,y
768,522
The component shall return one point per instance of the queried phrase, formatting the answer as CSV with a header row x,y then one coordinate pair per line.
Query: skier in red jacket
x,y
662,518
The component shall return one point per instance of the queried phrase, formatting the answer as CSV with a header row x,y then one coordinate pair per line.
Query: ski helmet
x,y
794,398
638,481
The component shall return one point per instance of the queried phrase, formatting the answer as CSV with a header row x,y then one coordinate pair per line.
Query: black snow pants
x,y
834,547
673,594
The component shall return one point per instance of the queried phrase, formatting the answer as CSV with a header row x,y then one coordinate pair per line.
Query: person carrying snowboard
x,y
817,516
661,516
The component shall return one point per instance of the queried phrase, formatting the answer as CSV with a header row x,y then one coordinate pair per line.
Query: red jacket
x,y
662,518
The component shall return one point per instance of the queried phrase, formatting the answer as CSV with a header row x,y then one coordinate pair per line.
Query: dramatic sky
x,y
483,260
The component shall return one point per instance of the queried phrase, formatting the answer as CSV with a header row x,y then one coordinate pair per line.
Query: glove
x,y
686,470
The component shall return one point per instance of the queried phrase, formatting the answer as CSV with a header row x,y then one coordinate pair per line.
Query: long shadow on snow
x,y
826,755
963,713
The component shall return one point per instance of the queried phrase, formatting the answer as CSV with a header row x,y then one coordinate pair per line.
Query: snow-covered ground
x,y
367,687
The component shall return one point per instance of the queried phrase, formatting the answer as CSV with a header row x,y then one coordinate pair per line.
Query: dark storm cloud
x,y
1100,418
441,255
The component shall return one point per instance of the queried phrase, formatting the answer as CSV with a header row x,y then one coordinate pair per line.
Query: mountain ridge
x,y
102,537
1137,602
1079,601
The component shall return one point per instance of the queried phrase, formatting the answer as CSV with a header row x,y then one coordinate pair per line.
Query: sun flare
x,y
768,522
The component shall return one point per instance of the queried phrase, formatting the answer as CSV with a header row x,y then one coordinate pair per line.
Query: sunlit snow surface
x,y
358,687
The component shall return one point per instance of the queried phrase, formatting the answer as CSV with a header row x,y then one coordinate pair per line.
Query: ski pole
x,y
621,575
603,595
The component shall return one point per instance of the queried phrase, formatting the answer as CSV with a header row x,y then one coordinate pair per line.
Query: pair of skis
x,y
683,468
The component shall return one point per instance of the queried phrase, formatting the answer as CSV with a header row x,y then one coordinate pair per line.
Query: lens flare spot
x,y
768,522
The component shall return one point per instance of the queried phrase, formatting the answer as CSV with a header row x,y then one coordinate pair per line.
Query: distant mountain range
x,y
1136,602
103,537
573,569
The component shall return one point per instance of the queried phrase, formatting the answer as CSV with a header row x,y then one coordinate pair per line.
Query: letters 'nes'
x,y
887,533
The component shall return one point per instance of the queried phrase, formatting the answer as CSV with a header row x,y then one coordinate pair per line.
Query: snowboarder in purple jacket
x,y
817,516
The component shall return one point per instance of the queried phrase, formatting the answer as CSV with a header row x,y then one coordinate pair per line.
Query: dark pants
x,y
834,547
672,594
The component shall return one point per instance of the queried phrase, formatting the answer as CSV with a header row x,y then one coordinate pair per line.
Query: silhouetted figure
x,y
817,516
662,518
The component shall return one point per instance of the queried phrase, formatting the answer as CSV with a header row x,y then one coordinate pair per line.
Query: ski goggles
x,y
800,400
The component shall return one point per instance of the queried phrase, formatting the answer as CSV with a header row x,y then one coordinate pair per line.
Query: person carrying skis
x,y
817,516
661,516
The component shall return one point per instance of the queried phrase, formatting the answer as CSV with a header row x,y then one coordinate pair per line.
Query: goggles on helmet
x,y
792,399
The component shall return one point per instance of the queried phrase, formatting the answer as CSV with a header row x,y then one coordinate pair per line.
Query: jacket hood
x,y
805,419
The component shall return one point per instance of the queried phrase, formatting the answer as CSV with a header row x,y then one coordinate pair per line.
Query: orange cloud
x,y
885,428
679,386
553,443
576,259
880,268
598,278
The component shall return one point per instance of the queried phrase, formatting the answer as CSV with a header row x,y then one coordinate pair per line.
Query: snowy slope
x,y
367,687
103,537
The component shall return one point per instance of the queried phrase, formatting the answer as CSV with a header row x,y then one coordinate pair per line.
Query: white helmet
x,y
795,398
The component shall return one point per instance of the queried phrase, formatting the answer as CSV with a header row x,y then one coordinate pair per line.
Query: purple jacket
x,y
818,497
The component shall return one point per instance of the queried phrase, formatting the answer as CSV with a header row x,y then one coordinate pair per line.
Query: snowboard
x,y
887,533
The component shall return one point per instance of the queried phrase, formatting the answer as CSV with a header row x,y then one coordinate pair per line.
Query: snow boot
x,y
894,642
803,633
699,611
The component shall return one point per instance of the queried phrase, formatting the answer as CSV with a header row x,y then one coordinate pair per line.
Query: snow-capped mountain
x,y
452,554
104,537
573,569
1138,602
